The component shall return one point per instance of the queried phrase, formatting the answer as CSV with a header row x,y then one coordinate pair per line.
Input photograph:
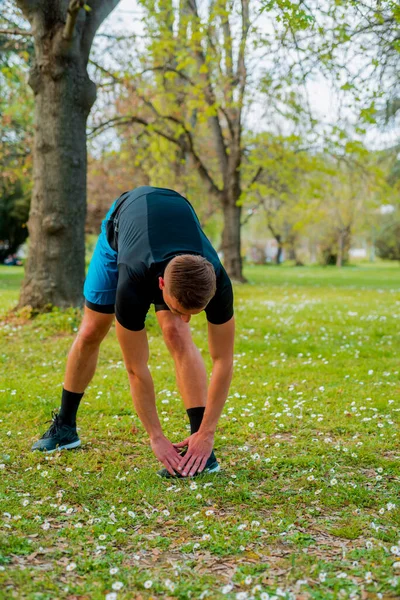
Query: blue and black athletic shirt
x,y
149,227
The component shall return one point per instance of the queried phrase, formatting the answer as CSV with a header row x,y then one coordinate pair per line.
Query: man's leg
x,y
81,365
99,292
191,375
82,361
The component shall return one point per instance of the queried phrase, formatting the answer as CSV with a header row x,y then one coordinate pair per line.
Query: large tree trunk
x,y
343,245
63,33
55,269
279,251
339,256
231,242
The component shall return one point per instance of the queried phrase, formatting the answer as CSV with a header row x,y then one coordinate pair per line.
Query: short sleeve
x,y
220,308
132,302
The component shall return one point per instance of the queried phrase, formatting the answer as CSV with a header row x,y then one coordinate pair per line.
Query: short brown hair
x,y
191,280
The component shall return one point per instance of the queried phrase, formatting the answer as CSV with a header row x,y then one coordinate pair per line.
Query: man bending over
x,y
152,250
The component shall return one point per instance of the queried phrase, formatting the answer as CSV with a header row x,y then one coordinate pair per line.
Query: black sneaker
x,y
58,436
212,466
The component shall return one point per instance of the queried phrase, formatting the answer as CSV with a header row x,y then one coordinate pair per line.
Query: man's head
x,y
188,285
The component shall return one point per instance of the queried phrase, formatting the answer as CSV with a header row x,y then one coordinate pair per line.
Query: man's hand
x,y
199,449
166,453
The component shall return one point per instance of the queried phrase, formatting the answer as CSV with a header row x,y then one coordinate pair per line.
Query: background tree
x,y
193,84
16,110
354,44
288,190
14,211
387,242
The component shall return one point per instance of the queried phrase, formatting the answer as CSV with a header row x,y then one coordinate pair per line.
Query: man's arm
x,y
200,444
135,350
220,343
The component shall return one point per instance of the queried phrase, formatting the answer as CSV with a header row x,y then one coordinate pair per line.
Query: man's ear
x,y
161,283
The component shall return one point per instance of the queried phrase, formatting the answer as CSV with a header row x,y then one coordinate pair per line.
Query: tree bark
x,y
55,269
339,256
231,242
343,245
278,258
64,94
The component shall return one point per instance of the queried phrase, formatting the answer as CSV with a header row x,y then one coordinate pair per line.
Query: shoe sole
x,y
216,469
65,447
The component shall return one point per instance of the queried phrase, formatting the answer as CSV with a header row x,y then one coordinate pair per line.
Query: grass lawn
x,y
307,504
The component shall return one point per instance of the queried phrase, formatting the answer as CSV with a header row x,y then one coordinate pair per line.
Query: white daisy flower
x,y
227,588
117,585
169,585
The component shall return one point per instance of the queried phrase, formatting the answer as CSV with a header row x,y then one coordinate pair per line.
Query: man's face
x,y
174,306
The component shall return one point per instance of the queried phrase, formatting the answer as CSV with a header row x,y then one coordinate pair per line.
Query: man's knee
x,y
93,330
140,372
177,338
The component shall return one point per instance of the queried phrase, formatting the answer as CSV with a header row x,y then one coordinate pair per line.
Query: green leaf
x,y
347,86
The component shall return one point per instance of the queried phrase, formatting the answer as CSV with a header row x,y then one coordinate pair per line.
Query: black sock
x,y
69,407
195,417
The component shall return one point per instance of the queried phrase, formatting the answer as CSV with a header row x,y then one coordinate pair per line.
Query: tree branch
x,y
129,119
15,32
226,29
228,121
251,211
241,65
256,177
198,162
100,9
168,69
103,70
72,14
209,95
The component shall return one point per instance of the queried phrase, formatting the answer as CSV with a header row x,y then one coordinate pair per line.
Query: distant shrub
x,y
14,213
388,241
